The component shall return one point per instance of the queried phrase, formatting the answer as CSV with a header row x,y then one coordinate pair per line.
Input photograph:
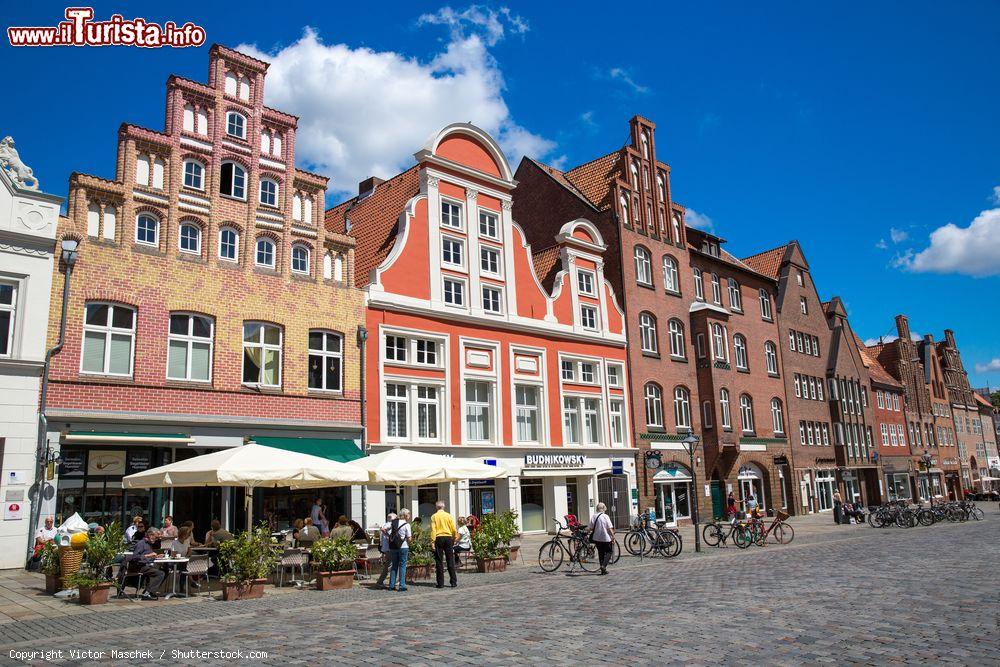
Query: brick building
x,y
889,426
480,348
208,308
985,463
964,408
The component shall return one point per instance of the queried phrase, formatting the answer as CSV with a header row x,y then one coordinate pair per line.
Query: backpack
x,y
396,535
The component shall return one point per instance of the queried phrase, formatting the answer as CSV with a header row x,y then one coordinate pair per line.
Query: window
x,y
265,142
526,412
624,204
189,348
492,300
740,347
395,349
488,225
826,435
297,206
451,214
791,341
777,418
233,180
592,421
878,398
452,251
654,405
798,277
189,239
571,420
699,285
477,410
142,170
8,307
720,350
585,282
676,331
771,358
706,414
682,408
812,388
587,372
677,228
643,266
236,125
699,345
147,230
229,244
647,333
268,192
661,191
727,421
188,122
427,413
489,260
895,402
802,305
261,354
108,339
735,297
588,317
568,369
802,433
746,413
617,410
300,259
426,352
325,360
454,292
892,434
798,389
194,175
265,252
396,409
716,290
645,145
614,375
671,280
635,176
798,341
765,304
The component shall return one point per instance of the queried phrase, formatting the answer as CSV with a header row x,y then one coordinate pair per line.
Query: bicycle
x,y
580,550
715,535
781,532
644,539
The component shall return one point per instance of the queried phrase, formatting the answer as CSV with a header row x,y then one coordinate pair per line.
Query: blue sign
x,y
617,467
490,462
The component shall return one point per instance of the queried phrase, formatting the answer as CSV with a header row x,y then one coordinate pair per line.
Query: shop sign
x,y
617,467
781,460
13,511
554,460
139,460
73,461
106,462
480,482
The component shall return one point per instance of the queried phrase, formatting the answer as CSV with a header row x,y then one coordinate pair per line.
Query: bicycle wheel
x,y
783,533
711,534
550,556
925,517
616,551
636,543
679,545
585,553
666,544
741,536
977,514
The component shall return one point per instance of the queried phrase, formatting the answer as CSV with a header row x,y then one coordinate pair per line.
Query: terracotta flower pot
x,y
95,594
491,564
415,572
232,590
512,554
341,579
53,583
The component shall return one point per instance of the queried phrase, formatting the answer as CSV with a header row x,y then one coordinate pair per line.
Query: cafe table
x,y
172,565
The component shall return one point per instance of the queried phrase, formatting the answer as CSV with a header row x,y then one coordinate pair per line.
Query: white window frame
x,y
394,357
446,201
529,410
653,399
765,304
735,295
567,370
740,346
485,233
614,373
490,405
746,413
427,404
324,355
643,266
240,175
236,244
275,194
402,403
586,282
495,298
671,275
274,252
682,408
230,124
771,358
725,413
448,245
12,321
263,347
716,290
197,237
108,330
155,243
720,343
616,422
699,284
301,247
198,174
463,288
189,339
777,417
591,323
647,334
485,253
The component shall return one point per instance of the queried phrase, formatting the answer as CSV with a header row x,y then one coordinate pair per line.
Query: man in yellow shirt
x,y
443,535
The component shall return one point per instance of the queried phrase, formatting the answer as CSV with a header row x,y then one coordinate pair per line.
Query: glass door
x,y
532,505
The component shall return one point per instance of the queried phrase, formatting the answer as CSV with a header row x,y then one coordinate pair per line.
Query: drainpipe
x,y
69,253
362,344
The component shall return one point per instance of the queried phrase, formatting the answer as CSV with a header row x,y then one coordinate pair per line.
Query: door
x,y
532,505
718,499
612,490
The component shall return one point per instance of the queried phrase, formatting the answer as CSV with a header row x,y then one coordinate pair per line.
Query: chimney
x,y
949,337
369,184
903,327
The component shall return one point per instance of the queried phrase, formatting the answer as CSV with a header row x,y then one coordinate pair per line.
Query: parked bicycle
x,y
717,534
576,546
645,539
779,531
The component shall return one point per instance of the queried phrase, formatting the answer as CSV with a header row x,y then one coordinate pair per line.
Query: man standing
x,y
144,553
443,534
602,534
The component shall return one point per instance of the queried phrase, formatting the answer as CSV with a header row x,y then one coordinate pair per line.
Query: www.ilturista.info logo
x,y
79,29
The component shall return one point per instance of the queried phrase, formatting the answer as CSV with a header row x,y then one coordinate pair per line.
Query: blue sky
x,y
861,133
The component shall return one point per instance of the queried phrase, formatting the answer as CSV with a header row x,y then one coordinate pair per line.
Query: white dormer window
x,y
588,317
451,214
236,125
585,282
488,225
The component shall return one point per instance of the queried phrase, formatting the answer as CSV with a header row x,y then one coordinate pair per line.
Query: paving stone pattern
x,y
849,596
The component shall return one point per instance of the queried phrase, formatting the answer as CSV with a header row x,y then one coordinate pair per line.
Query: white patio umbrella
x,y
250,466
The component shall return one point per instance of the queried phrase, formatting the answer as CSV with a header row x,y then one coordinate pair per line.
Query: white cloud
x,y
698,220
882,245
996,194
992,366
972,250
898,235
888,339
625,76
364,112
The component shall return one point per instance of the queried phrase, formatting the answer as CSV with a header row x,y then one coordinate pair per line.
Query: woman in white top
x,y
464,543
399,535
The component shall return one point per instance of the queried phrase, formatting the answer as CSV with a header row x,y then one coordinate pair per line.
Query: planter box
x,y
328,581
515,549
232,590
491,564
53,583
415,572
96,595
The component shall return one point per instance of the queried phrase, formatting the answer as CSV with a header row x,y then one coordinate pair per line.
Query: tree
x,y
995,399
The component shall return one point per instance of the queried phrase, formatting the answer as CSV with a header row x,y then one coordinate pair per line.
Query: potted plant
x,y
489,546
507,525
49,565
334,560
99,552
421,556
246,561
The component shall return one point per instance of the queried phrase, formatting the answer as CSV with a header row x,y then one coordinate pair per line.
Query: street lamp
x,y
927,460
690,444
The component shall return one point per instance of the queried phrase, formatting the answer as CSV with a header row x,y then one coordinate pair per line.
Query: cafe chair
x,y
197,566
290,560
129,571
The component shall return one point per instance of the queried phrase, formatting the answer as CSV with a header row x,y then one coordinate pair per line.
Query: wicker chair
x,y
197,566
291,559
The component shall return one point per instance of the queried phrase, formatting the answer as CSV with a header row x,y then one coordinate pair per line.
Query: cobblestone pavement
x,y
857,595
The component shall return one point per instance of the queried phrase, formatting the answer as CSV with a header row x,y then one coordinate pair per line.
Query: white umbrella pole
x,y
248,506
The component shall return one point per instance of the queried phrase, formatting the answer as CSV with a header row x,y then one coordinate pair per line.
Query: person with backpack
x,y
383,548
399,535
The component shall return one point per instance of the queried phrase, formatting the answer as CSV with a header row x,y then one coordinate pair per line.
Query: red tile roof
x,y
595,179
876,371
768,262
373,220
547,265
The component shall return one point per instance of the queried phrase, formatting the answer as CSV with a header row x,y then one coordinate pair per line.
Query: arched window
x,y
771,357
236,125
296,206
276,145
635,176
740,348
643,266
229,244
735,298
647,333
654,405
233,181
231,84
720,350
699,285
158,167
265,142
671,279
645,145
677,227
724,414
194,175
777,418
189,239
661,188
188,118
300,258
244,88
265,252
268,192
676,330
147,229
682,407
746,413
765,304
716,290
142,170
307,210
624,204
338,268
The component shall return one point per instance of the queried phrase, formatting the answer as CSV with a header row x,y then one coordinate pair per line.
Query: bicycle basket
x,y
782,516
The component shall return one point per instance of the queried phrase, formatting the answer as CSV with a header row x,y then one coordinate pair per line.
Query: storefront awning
x,y
335,450
677,474
126,437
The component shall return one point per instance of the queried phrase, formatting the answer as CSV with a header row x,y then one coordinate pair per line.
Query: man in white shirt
x,y
602,534
45,533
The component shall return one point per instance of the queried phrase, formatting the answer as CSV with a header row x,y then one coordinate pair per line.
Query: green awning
x,y
335,450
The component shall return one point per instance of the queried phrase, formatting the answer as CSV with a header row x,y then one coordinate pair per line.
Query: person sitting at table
x,y
143,552
464,543
169,530
131,531
296,529
183,542
217,535
342,529
309,532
